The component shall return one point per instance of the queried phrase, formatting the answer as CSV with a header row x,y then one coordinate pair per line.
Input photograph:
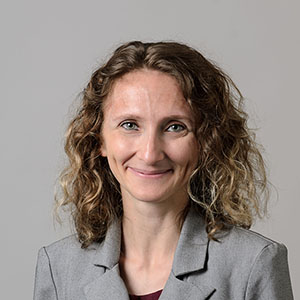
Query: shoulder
x,y
243,248
249,263
66,252
242,237
64,268
238,239
246,240
67,244
260,261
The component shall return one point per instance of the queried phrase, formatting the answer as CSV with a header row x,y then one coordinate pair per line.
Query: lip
x,y
150,173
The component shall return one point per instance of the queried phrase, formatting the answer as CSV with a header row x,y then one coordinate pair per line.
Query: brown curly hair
x,y
229,184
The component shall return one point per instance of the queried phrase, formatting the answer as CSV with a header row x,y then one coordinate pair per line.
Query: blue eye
x,y
176,128
129,126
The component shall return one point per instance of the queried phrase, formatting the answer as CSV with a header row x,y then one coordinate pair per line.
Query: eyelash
x,y
126,123
125,126
177,125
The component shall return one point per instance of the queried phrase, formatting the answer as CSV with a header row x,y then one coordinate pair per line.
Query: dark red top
x,y
152,296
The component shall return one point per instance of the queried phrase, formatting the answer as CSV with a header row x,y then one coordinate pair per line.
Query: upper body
x,y
160,133
242,265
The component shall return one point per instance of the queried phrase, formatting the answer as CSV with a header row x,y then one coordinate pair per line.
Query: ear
x,y
102,150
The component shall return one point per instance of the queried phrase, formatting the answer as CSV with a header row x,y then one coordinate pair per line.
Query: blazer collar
x,y
190,256
108,252
107,283
191,251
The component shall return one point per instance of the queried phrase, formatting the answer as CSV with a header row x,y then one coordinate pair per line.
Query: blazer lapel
x,y
190,258
177,289
108,285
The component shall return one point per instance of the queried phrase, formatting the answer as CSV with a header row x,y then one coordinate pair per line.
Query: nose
x,y
151,148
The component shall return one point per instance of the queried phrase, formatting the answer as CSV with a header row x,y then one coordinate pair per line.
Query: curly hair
x,y
228,186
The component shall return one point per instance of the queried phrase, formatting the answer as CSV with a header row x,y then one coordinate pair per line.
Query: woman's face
x,y
148,137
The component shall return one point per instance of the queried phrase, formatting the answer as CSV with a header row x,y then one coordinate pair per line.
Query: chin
x,y
149,198
145,196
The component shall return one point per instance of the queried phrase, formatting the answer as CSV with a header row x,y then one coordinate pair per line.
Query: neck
x,y
150,232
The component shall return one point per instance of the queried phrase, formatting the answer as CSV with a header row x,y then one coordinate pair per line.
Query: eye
x,y
176,128
129,126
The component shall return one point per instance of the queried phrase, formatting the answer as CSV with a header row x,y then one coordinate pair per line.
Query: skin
x,y
149,141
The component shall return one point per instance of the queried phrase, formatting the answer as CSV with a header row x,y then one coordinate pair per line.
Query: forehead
x,y
146,89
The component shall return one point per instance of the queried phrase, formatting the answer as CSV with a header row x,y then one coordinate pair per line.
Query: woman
x,y
164,181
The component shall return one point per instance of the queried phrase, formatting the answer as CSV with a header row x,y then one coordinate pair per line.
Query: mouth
x,y
150,173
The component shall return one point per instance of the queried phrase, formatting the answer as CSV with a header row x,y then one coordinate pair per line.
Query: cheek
x,y
185,154
117,148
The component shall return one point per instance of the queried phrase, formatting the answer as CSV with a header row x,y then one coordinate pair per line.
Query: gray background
x,y
48,51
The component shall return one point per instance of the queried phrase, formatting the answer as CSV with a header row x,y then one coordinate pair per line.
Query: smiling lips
x,y
150,174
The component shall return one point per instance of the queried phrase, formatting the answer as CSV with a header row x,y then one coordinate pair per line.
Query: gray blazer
x,y
242,265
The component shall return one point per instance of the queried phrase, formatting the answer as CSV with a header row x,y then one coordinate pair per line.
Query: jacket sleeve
x,y
269,277
44,286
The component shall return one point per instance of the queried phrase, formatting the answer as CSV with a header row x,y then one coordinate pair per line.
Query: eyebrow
x,y
173,117
126,116
137,117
